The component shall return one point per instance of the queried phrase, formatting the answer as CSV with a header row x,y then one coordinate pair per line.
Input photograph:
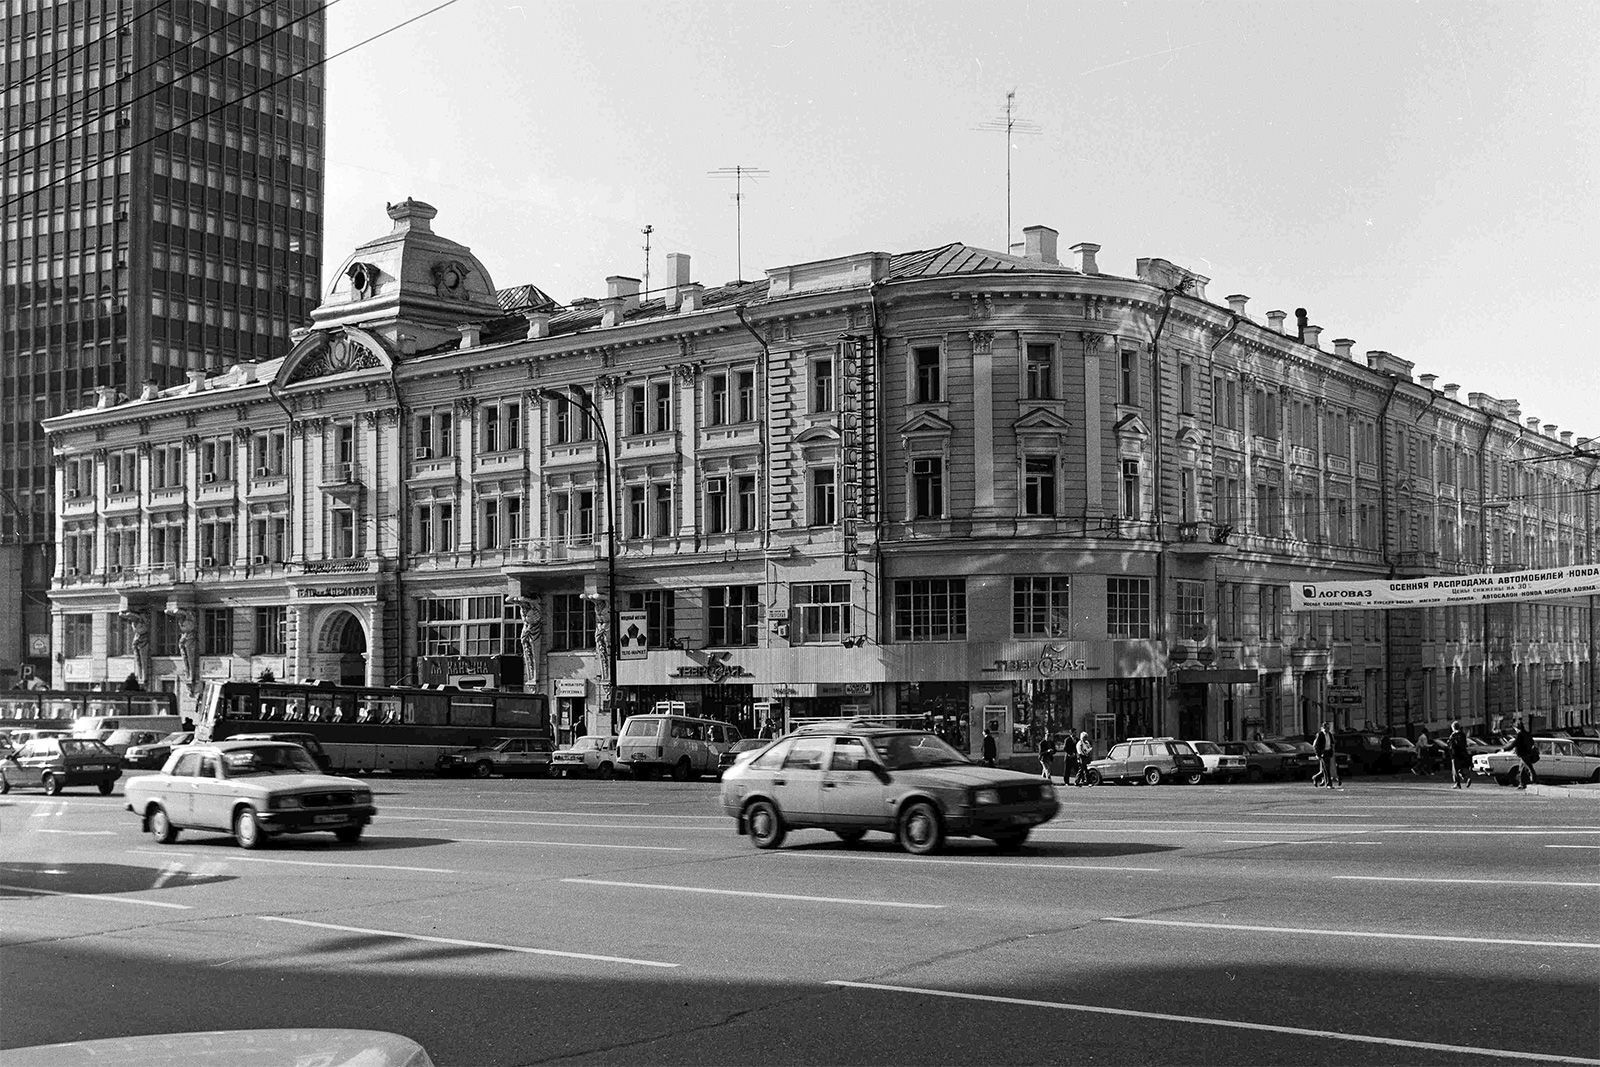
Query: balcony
x,y
341,480
1416,564
585,549
1199,538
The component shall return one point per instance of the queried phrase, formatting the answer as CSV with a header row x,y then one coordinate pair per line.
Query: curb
x,y
1587,792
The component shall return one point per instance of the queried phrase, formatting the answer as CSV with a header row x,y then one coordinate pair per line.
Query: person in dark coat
x,y
1327,758
1526,752
1460,757
991,753
1047,755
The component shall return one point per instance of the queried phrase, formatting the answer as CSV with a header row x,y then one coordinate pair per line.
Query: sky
x,y
1423,178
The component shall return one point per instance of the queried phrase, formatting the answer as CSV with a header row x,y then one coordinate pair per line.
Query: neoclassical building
x,y
968,487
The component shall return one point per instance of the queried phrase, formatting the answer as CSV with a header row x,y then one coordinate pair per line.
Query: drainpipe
x,y
402,522
289,466
1383,541
1156,471
768,565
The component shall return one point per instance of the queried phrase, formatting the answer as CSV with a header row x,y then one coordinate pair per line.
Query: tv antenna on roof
x,y
647,231
738,172
1011,126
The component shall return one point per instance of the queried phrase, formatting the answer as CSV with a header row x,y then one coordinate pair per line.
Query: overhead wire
x,y
68,53
175,82
258,90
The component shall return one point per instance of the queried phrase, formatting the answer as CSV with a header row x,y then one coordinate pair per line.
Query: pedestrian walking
x,y
1047,755
1085,754
991,754
1527,754
1327,758
1460,757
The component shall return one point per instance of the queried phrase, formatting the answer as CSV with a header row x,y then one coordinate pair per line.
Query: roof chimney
x,y
149,390
1311,335
197,381
1566,437
1039,243
691,297
411,214
1275,320
1550,429
1451,391
538,324
246,373
1532,422
1427,381
1085,253
471,333
622,296
1342,347
1300,323
1236,304
677,277
1387,363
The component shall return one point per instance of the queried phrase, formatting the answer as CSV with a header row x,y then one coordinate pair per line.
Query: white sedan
x,y
1561,759
252,789
1219,764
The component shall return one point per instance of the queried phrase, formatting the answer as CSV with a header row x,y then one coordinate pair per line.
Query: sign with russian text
x,y
1447,591
633,631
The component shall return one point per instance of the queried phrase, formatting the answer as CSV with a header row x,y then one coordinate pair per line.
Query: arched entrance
x,y
343,648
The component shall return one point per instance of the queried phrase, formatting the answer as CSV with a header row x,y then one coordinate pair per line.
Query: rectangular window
x,y
272,631
824,499
637,410
821,612
660,608
78,630
927,488
1128,607
1039,485
1128,376
1040,607
661,499
1188,495
717,400
1039,376
732,614
822,394
1132,490
572,623
928,384
638,513
744,383
716,516
1186,388
749,517
930,609
216,459
661,418
216,632
1191,611
342,533
267,451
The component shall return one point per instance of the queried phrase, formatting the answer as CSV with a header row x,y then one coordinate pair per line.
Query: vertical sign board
x,y
633,635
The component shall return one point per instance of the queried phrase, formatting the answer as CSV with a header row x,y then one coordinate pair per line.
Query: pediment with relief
x,y
1041,421
927,424
822,433
326,354
1131,426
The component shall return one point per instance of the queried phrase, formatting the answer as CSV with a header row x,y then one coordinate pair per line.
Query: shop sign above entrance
x,y
1053,660
715,670
571,687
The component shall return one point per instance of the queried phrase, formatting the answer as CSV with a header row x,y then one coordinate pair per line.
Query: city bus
x,y
58,709
366,728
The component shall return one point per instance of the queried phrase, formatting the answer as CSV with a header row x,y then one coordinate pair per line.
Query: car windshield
x,y
903,752
1205,748
1180,748
1283,746
178,738
267,759
503,744
77,746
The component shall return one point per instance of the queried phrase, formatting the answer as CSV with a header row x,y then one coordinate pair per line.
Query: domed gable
x,y
410,274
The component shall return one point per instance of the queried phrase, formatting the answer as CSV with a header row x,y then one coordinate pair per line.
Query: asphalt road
x,y
521,922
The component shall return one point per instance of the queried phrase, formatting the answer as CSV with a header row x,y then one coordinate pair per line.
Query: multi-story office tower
x,y
162,187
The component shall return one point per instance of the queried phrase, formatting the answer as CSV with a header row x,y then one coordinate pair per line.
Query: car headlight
x,y
986,796
284,802
363,796
1048,792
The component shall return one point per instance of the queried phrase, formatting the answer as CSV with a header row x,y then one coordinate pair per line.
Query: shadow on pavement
x,y
25,879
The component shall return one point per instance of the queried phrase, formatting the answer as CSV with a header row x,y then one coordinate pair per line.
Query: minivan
x,y
685,746
101,727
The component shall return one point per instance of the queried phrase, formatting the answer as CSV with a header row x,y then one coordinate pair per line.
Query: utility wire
x,y
68,53
224,106
174,83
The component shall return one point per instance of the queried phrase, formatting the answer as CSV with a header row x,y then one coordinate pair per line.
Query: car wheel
x,y
1195,779
1152,776
160,827
607,772
850,837
52,785
105,788
5,786
1253,774
482,769
1595,777
680,770
1010,842
765,824
349,835
246,829
921,832
1094,777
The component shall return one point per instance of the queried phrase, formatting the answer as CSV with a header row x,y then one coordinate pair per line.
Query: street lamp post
x,y
605,606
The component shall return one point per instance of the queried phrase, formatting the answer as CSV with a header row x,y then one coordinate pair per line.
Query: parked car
x,y
155,753
1561,759
853,780
1374,753
590,755
57,763
666,742
1308,755
309,742
1219,765
740,748
1261,760
508,756
1152,760
254,789
119,741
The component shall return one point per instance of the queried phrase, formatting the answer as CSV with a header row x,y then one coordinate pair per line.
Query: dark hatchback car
x,y
1375,753
739,748
57,763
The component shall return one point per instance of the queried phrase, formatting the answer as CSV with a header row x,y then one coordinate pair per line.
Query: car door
x,y
1116,765
176,794
1558,760
852,797
515,758
213,796
797,785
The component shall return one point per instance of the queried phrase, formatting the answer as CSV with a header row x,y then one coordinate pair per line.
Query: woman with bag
x,y
1047,755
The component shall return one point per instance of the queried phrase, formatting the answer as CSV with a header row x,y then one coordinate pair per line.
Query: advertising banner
x,y
1447,591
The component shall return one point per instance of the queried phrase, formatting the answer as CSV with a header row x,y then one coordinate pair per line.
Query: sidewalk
x,y
1586,790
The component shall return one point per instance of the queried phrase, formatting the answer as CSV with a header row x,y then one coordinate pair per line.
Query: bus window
x,y
427,709
471,709
342,708
519,711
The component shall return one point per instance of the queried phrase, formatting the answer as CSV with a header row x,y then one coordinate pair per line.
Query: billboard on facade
x,y
1447,591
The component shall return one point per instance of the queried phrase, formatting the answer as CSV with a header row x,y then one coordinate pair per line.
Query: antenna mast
x,y
738,172
1011,126
647,231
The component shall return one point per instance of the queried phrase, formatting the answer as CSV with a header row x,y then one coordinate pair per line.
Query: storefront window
x,y
943,707
1132,702
1040,707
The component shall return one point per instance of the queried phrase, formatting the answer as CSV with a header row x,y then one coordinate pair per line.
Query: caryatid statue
x,y
188,646
139,623
532,637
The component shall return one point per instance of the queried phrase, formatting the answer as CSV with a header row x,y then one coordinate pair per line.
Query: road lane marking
x,y
1352,933
521,811
1487,830
1572,846
1125,830
962,863
1234,1024
97,896
530,822
301,863
1462,881
80,833
466,944
1311,841
1314,814
749,893
570,844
